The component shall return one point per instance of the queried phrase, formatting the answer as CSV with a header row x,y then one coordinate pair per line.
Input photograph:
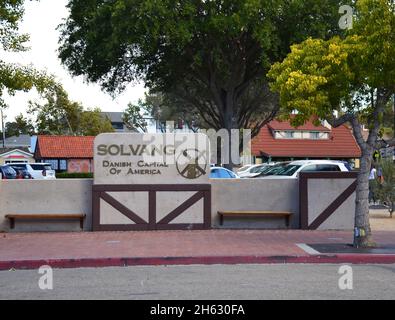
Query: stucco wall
x,y
52,196
255,195
74,196
79,166
28,159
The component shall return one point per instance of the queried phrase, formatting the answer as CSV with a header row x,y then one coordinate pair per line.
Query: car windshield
x,y
9,171
258,169
244,168
273,169
41,167
288,170
18,166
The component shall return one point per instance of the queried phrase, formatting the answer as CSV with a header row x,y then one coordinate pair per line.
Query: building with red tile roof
x,y
66,153
278,140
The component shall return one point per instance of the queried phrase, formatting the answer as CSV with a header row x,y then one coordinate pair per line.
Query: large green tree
x,y
353,75
58,115
21,125
213,55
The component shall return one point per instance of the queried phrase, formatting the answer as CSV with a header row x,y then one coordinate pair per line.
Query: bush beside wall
x,y
66,175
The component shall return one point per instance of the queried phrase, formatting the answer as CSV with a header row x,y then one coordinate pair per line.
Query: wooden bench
x,y
255,214
14,217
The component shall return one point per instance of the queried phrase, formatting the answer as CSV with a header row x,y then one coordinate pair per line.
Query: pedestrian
x,y
372,181
380,176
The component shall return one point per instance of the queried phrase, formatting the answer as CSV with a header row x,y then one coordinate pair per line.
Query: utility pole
x,y
2,126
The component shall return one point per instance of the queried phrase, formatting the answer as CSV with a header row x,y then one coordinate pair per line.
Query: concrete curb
x,y
204,260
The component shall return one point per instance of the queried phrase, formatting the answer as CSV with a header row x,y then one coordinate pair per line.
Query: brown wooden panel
x,y
333,206
304,177
182,208
122,209
100,192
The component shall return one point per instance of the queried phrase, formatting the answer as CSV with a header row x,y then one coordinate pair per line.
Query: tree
x,y
92,123
15,77
385,190
21,125
353,75
133,117
388,129
212,55
60,116
164,107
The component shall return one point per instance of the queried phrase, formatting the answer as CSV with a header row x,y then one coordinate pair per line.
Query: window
x,y
117,125
314,135
214,174
289,134
19,166
328,167
54,164
63,165
40,167
288,170
310,168
15,161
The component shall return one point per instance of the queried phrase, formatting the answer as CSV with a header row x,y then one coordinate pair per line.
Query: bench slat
x,y
277,213
45,216
256,214
13,217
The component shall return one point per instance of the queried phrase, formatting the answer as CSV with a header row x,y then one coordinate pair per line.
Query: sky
x,y
40,21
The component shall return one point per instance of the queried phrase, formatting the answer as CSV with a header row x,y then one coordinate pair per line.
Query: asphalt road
x,y
218,282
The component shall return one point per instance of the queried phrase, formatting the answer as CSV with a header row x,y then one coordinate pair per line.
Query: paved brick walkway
x,y
169,247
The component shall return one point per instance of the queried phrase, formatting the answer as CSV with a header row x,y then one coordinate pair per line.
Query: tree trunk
x,y
363,233
230,124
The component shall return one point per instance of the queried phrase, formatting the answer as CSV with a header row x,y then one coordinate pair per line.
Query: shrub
x,y
65,175
386,190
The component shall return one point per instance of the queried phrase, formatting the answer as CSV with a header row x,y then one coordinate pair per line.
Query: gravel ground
x,y
380,220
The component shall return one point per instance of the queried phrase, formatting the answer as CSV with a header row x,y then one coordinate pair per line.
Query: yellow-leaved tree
x,y
347,79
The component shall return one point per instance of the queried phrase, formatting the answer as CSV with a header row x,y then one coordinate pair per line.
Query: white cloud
x,y
40,21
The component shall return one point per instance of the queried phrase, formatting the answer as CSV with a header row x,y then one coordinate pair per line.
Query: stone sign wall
x,y
128,158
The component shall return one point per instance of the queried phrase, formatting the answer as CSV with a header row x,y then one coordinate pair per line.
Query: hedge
x,y
66,175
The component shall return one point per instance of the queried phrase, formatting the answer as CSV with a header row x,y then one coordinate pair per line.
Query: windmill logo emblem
x,y
192,164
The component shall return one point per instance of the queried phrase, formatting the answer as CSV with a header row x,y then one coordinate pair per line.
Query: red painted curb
x,y
204,260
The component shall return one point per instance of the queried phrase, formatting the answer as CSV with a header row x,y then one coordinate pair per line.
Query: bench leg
x,y
12,223
221,220
287,222
81,223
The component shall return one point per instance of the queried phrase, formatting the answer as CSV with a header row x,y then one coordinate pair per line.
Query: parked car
x,y
272,170
6,172
39,171
22,173
245,168
222,173
253,171
292,170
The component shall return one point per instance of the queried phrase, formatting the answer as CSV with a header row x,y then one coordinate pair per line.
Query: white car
x,y
292,170
254,171
39,171
245,168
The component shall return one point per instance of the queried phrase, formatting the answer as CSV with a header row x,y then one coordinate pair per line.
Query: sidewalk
x,y
72,250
